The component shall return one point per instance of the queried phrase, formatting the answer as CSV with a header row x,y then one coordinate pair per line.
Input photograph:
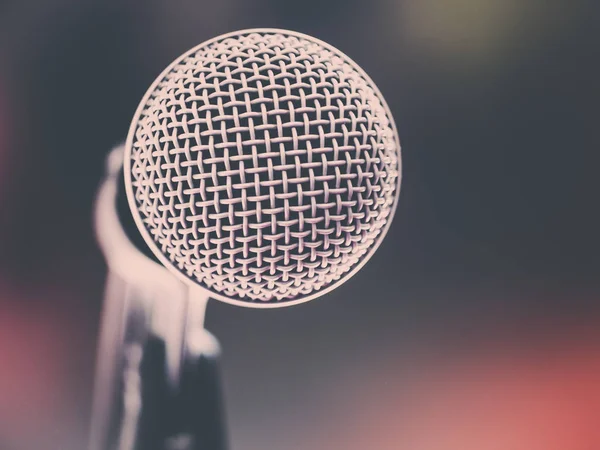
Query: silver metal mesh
x,y
264,166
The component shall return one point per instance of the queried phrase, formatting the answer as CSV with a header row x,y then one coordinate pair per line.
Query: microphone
x,y
262,168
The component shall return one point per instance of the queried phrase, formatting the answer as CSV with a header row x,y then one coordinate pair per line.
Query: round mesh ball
x,y
263,165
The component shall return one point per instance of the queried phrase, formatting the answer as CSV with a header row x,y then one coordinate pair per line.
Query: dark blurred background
x,y
476,324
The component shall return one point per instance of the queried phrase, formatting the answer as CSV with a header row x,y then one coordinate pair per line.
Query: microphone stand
x,y
157,384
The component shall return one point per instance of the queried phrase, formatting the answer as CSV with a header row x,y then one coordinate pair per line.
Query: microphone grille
x,y
263,165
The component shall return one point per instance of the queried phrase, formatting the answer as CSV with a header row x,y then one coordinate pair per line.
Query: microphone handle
x,y
140,402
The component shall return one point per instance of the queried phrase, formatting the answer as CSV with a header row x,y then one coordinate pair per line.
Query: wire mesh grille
x,y
263,166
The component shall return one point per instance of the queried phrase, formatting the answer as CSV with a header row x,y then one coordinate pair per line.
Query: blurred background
x,y
476,325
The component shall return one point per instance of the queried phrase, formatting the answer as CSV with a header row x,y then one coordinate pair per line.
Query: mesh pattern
x,y
263,166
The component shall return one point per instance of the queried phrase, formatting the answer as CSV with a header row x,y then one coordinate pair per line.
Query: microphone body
x,y
262,168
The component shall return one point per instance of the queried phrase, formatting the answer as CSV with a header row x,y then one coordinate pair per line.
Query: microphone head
x,y
264,166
